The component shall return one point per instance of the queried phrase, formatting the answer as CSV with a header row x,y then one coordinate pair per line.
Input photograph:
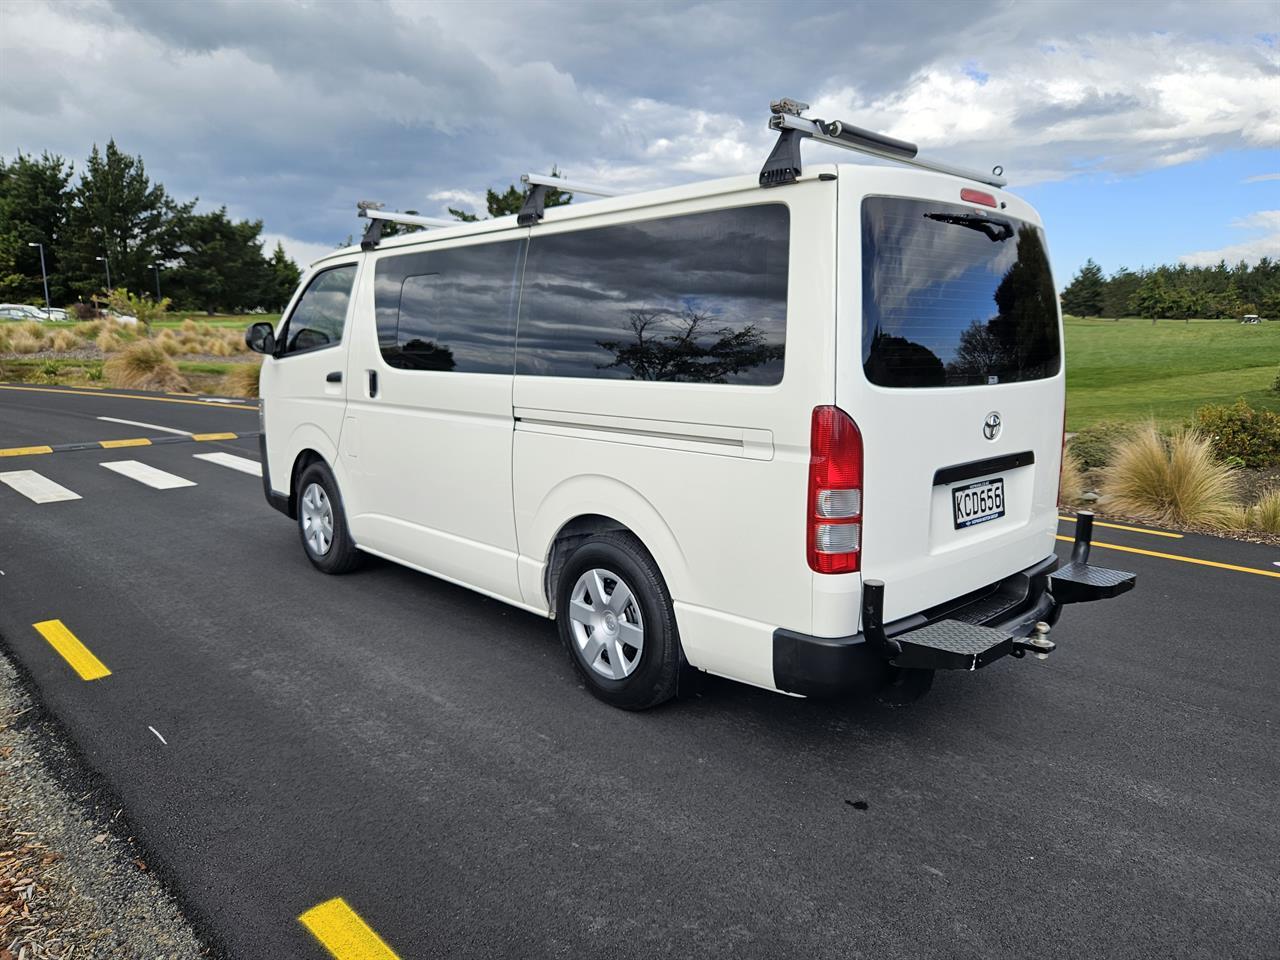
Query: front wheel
x,y
322,523
616,620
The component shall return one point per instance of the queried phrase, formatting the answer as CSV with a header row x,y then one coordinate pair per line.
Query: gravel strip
x,y
70,884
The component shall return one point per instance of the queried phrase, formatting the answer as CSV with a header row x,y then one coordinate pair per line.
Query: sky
x,y
1144,132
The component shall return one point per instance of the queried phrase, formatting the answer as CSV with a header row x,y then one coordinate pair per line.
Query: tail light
x,y
835,492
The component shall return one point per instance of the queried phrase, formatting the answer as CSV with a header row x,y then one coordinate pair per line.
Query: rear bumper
x,y
996,620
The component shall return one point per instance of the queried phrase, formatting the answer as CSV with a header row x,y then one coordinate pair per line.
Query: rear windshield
x,y
954,295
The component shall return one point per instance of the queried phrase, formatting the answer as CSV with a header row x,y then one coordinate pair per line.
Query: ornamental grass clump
x,y
1265,514
242,380
1071,485
144,366
1170,480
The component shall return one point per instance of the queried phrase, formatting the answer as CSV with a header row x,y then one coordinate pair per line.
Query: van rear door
x,y
950,362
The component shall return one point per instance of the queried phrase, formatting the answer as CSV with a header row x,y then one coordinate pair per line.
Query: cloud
x,y
293,111
301,252
1262,177
1250,251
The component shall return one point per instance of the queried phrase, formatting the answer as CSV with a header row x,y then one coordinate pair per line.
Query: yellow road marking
x,y
1120,526
341,931
24,451
73,651
130,396
213,436
1174,556
135,442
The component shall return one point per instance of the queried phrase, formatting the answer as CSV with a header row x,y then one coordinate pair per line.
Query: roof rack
x,y
535,202
376,216
783,165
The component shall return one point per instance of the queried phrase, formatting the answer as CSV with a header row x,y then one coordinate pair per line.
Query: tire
x,y
627,651
318,498
904,687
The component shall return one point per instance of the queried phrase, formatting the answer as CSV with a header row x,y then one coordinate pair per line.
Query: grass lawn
x,y
1131,369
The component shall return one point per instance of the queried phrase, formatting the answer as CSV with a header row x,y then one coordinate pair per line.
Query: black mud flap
x,y
1079,581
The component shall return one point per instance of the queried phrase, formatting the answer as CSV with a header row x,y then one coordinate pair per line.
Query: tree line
x,y
113,219
1176,293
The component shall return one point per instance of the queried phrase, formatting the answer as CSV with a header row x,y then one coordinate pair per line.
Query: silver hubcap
x,y
316,516
606,624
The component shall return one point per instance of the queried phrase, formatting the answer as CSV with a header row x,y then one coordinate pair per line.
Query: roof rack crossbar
x,y
535,202
376,216
783,165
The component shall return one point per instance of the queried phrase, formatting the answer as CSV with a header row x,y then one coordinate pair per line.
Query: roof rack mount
x,y
535,202
373,212
783,165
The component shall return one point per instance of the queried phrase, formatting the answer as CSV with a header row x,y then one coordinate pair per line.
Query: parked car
x,y
21,311
122,318
1250,318
770,434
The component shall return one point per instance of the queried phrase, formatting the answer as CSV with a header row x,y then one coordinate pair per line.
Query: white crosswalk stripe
x,y
243,464
37,487
149,475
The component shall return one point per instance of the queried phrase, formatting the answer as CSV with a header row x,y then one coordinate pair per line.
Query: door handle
x,y
373,383
335,377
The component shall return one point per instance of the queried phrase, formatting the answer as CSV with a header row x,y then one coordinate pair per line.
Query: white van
x,y
805,434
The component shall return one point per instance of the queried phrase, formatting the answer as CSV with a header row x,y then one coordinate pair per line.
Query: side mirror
x,y
261,338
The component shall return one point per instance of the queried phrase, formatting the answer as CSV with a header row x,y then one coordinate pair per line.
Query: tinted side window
x,y
449,309
700,298
318,318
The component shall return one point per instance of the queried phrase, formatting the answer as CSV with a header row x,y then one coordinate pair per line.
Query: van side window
x,y
321,312
699,298
451,309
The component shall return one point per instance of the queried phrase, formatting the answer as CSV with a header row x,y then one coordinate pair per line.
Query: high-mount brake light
x,y
969,195
834,521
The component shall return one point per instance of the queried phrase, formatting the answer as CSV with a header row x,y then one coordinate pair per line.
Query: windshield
x,y
952,296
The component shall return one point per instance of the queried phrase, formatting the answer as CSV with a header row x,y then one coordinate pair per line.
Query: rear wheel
x,y
616,620
322,523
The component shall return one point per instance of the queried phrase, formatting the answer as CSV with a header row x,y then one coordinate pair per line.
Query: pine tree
x,y
1083,296
510,201
34,193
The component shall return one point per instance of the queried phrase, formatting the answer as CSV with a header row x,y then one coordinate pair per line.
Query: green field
x,y
1133,369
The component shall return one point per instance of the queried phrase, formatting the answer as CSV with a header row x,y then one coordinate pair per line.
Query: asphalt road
x,y
428,755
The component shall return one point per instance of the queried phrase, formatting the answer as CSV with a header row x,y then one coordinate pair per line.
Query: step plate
x,y
1082,582
951,645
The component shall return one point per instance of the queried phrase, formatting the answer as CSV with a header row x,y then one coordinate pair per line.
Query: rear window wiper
x,y
996,231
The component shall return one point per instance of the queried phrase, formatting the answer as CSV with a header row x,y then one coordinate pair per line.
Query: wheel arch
x,y
583,507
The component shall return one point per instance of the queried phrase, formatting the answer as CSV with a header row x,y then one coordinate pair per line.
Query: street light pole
x,y
48,308
157,266
106,263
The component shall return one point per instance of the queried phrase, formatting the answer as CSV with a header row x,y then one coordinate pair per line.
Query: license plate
x,y
978,502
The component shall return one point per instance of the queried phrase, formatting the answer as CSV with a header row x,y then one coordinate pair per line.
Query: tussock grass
x,y
1071,487
243,380
109,341
1174,480
89,329
144,366
64,340
1265,514
22,342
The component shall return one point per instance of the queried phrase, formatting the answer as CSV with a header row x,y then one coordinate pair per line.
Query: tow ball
x,y
1038,643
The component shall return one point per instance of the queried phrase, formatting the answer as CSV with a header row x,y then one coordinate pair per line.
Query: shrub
x,y
1265,514
83,311
1173,481
1239,431
242,380
143,365
1071,488
1092,446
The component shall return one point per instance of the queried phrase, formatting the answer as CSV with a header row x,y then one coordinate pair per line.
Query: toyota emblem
x,y
991,425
